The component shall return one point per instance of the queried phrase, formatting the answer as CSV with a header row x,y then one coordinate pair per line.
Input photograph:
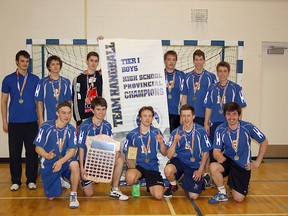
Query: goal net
x,y
74,56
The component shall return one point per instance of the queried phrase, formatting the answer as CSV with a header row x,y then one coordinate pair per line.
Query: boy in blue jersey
x,y
174,87
234,137
148,140
218,95
56,144
22,124
196,85
188,152
91,127
52,90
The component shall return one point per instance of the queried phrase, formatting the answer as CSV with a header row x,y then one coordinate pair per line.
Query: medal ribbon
x,y
57,94
95,126
196,86
170,85
18,83
191,148
146,147
89,86
59,143
235,147
221,99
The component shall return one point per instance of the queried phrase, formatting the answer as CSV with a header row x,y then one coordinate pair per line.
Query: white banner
x,y
133,77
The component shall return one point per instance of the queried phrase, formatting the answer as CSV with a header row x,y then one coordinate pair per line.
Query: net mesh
x,y
74,58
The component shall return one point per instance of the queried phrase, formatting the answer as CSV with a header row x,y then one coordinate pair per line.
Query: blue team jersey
x,y
133,138
47,139
183,151
88,128
247,131
233,94
206,80
25,112
174,99
45,94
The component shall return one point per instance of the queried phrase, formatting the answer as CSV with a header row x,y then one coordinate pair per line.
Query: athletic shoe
x,y
32,186
14,187
117,194
64,183
172,189
206,182
219,197
73,201
136,189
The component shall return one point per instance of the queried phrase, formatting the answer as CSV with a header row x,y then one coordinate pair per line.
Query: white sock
x,y
173,182
206,174
114,188
73,193
222,189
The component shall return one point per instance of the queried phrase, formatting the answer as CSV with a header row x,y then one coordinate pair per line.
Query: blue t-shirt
x,y
133,138
174,98
233,94
183,151
25,112
45,94
47,139
206,80
247,131
88,128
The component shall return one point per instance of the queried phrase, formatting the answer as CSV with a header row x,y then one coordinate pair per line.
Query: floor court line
x,y
170,206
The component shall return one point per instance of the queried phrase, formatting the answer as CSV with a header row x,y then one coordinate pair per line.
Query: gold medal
x,y
221,111
147,160
60,156
194,98
21,101
236,157
169,96
192,159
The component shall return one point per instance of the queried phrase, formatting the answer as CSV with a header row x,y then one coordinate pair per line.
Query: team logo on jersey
x,y
242,96
39,136
37,90
207,141
259,134
81,135
218,139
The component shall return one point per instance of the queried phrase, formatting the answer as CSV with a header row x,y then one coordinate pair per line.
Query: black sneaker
x,y
170,190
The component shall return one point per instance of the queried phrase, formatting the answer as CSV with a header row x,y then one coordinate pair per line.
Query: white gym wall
x,y
252,21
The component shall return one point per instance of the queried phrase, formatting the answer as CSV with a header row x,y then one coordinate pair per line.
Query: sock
x,y
173,182
114,188
73,193
222,189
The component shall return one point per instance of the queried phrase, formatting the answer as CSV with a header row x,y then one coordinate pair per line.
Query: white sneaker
x,y
117,194
73,201
32,186
65,184
14,187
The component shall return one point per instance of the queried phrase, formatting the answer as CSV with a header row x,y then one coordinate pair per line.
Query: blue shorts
x,y
188,183
51,181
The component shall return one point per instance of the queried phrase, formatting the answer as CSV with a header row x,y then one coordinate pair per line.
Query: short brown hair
x,y
187,107
63,104
53,58
23,53
150,108
92,53
170,52
223,64
99,101
199,53
231,107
